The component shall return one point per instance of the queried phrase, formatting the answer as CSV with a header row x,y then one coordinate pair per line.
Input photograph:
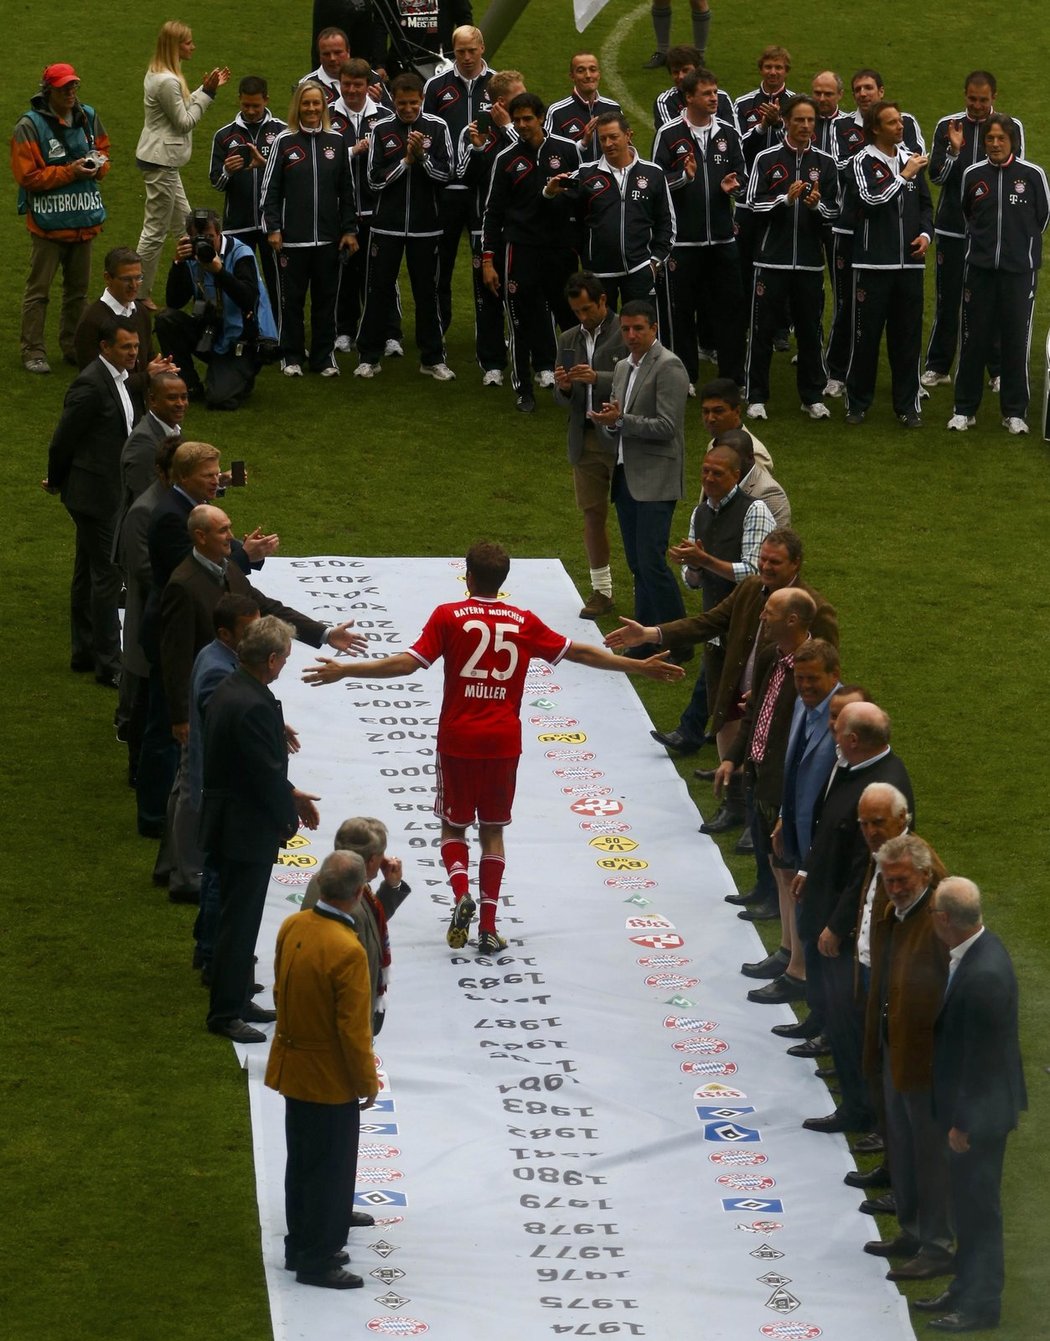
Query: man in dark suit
x,y
978,1095
248,809
123,279
186,608
166,403
323,1064
594,347
83,467
645,419
828,887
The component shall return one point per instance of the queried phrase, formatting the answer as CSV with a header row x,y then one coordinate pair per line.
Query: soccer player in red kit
x,y
486,645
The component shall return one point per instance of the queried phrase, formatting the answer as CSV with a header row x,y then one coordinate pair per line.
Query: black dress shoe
x,y
728,817
705,774
940,1303
780,990
335,1278
924,1265
877,1177
872,1144
884,1205
766,911
742,900
675,740
771,967
745,844
237,1030
258,1014
961,1321
807,1028
837,1121
826,1073
813,1047
902,1246
361,1220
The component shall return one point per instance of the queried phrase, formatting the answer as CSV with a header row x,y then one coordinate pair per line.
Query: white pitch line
x,y
610,63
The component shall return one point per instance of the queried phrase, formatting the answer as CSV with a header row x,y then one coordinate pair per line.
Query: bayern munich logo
x,y
671,982
629,881
372,1150
379,1176
294,878
398,1325
600,826
709,1068
738,1158
685,1023
662,961
594,796
746,1182
790,1331
704,1046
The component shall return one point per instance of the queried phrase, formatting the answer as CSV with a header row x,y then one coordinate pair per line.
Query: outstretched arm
x,y
326,670
656,667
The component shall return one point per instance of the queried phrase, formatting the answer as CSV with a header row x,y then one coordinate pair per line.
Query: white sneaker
x,y
344,344
291,370
757,411
545,378
1015,425
368,370
330,371
835,388
492,378
993,384
818,410
708,355
959,423
394,349
440,372
931,378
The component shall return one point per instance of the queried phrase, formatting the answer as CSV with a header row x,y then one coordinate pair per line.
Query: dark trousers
x,y
796,296
534,284
385,253
948,273
256,239
889,300
693,721
158,758
490,343
206,926
94,595
646,530
620,289
918,1153
352,291
975,1180
837,353
996,302
455,210
322,1141
242,896
313,270
829,990
706,296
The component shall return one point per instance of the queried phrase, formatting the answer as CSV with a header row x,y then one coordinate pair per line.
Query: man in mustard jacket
x,y
322,1062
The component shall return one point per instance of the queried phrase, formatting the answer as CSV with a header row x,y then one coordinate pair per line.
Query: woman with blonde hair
x,y
310,215
166,142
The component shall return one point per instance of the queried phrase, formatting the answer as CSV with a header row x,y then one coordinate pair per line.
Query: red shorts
x,y
469,787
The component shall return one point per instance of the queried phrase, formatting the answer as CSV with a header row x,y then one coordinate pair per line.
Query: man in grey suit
x,y
166,402
582,380
83,467
645,418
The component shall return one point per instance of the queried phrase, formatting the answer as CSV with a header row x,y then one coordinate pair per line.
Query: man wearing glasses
x,y
122,274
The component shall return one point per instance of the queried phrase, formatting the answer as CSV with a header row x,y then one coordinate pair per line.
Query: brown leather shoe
x,y
596,605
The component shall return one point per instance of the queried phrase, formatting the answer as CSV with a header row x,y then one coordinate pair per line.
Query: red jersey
x,y
487,645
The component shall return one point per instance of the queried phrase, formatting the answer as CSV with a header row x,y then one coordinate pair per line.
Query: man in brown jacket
x,y
322,1062
909,972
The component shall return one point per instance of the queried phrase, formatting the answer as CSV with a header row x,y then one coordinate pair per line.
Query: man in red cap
x,y
59,153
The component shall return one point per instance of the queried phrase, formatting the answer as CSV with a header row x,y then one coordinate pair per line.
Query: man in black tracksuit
x,y
238,156
529,240
704,164
409,162
793,194
624,206
576,117
1006,207
761,127
958,143
894,224
458,97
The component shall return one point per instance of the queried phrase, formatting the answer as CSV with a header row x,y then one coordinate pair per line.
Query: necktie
x,y
760,735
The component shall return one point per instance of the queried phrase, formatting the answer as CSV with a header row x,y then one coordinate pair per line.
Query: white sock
x,y
601,580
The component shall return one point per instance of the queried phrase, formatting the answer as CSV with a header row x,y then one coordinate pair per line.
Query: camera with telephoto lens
x,y
203,251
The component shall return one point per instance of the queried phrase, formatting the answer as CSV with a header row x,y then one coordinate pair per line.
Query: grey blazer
x,y
608,350
653,432
167,135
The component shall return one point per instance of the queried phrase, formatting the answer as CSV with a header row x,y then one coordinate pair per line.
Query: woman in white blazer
x,y
166,142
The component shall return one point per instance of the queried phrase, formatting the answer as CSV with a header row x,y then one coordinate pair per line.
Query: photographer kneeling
x,y
230,326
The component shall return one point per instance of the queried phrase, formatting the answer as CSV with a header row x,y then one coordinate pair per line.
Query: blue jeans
x,y
646,531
